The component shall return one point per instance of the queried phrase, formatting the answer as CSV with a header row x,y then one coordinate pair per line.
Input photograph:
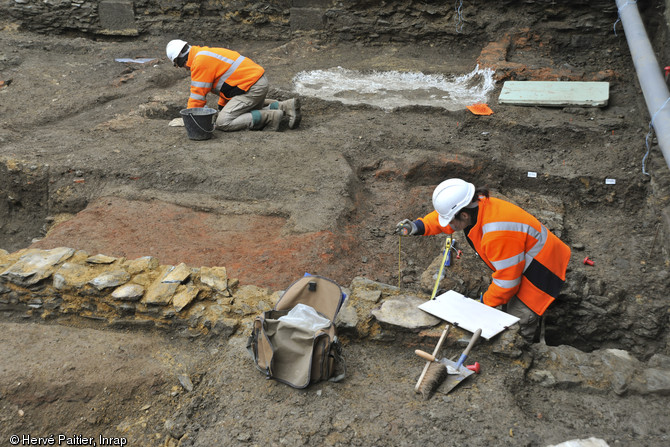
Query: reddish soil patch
x,y
252,248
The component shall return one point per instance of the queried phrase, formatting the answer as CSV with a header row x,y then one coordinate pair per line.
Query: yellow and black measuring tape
x,y
447,248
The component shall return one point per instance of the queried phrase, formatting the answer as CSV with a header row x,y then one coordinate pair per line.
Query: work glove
x,y
406,228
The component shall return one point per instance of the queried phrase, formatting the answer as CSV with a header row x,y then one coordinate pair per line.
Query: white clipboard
x,y
469,314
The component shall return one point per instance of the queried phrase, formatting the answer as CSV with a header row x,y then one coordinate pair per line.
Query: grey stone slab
x,y
110,279
555,93
36,265
101,259
184,297
178,274
160,293
404,311
128,292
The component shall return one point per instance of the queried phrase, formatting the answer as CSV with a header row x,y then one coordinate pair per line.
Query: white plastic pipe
x,y
652,80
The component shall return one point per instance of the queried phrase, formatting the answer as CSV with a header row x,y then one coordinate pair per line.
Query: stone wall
x,y
192,302
125,293
431,22
205,302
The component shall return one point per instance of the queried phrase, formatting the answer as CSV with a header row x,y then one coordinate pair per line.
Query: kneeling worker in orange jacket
x,y
528,260
240,84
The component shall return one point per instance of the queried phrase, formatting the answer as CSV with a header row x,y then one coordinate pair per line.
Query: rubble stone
x,y
178,274
404,311
36,265
110,279
205,302
128,292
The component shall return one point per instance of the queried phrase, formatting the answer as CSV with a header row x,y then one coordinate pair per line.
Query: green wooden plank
x,y
555,93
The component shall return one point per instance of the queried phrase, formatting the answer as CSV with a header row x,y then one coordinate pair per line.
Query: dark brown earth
x,y
88,155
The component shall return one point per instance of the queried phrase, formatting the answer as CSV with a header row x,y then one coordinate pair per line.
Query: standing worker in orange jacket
x,y
240,84
528,260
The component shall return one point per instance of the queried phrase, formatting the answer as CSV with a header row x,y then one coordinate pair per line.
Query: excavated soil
x,y
90,163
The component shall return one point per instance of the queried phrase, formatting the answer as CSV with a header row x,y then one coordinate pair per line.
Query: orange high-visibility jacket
x,y
220,71
527,259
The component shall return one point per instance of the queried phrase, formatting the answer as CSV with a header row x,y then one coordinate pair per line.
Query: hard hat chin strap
x,y
185,51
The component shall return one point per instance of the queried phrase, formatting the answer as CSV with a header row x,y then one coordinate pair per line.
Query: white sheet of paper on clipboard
x,y
469,314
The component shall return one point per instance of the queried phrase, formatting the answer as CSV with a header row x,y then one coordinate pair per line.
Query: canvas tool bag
x,y
296,343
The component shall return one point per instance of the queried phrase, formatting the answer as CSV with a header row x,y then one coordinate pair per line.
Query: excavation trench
x,y
599,309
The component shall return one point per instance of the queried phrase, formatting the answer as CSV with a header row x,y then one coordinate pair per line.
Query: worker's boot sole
x,y
294,115
291,108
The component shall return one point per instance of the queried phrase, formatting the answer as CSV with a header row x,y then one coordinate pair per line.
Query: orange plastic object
x,y
480,109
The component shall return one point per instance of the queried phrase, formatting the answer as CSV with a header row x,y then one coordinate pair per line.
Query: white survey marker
x,y
469,314
555,93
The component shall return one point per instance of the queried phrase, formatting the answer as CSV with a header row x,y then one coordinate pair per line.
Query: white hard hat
x,y
174,49
450,197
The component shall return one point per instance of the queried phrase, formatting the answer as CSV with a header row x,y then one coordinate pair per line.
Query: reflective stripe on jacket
x,y
221,71
527,259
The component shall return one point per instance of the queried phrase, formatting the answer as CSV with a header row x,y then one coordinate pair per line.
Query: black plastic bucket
x,y
199,122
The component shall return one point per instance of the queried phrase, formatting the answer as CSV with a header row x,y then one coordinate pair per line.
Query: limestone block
x,y
257,298
621,367
124,308
215,277
101,259
148,309
609,369
110,279
509,343
372,296
224,327
652,381
214,319
178,274
659,361
160,293
36,265
72,276
145,279
184,296
404,311
142,264
347,318
52,303
128,292
195,313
